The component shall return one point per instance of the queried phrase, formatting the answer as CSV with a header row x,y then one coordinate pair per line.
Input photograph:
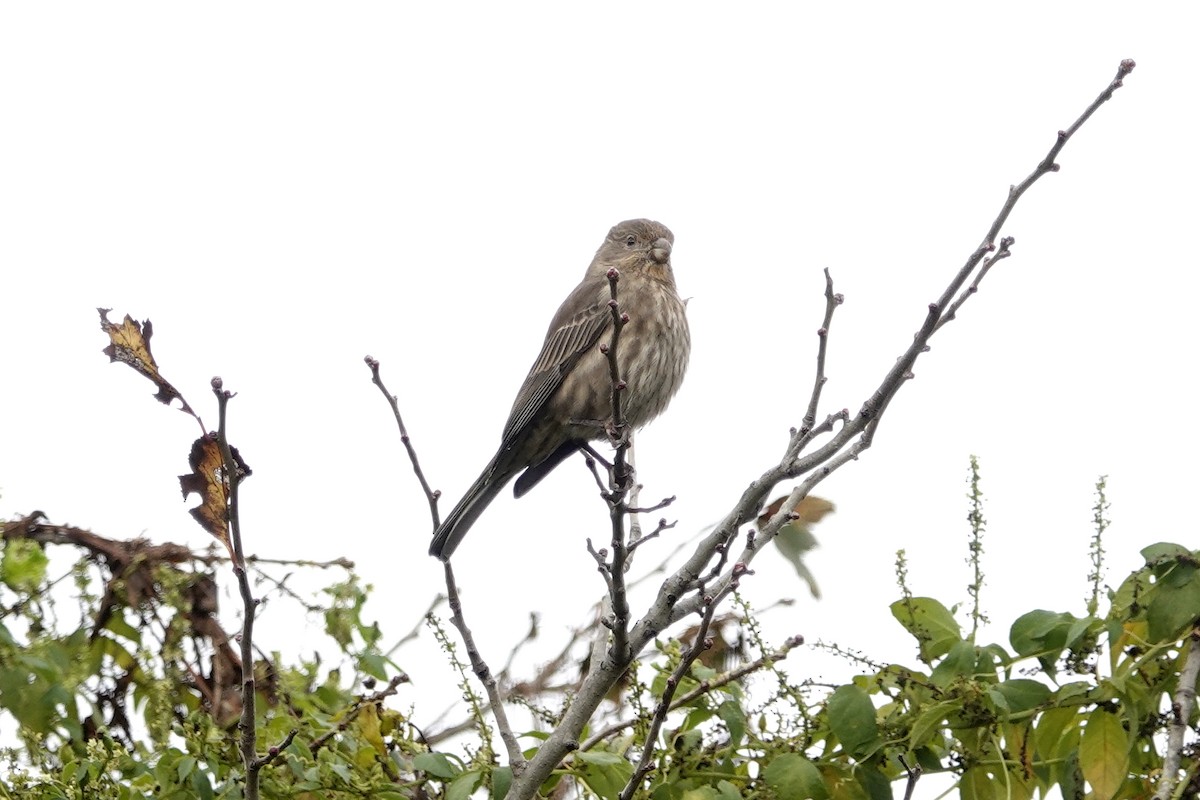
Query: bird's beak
x,y
660,251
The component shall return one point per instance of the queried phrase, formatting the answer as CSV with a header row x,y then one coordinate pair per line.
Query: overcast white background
x,y
285,188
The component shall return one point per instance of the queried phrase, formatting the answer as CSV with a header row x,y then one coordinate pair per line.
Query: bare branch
x,y
516,758
620,478
233,478
832,301
431,495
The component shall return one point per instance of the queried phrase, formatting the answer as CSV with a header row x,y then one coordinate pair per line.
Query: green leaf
x,y
1070,781
1175,603
960,661
436,764
1164,551
794,777
601,758
463,786
606,773
1022,694
1038,631
1043,634
978,783
734,717
201,786
1080,627
877,785
929,719
930,623
23,566
501,781
373,664
1104,753
1072,689
852,719
727,791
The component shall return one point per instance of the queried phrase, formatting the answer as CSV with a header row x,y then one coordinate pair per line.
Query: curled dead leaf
x,y
208,480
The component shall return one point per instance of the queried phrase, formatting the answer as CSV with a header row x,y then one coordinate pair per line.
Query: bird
x,y
566,400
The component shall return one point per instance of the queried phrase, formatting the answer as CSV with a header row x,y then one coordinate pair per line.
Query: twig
x,y
1001,254
431,495
516,758
344,563
808,425
617,506
663,525
415,630
1181,712
249,739
701,643
659,506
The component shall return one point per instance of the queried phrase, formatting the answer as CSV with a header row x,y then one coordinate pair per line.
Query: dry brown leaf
x,y
208,480
130,344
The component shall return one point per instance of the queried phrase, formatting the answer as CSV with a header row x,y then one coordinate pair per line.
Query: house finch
x,y
567,397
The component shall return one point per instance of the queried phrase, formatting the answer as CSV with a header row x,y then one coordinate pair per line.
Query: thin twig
x,y
415,630
516,759
808,425
252,762
431,495
701,643
1004,252
620,479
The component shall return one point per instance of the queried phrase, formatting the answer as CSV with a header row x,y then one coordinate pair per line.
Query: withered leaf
x,y
208,480
129,343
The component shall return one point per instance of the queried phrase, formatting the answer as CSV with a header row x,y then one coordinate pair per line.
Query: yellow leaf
x,y
368,725
1104,753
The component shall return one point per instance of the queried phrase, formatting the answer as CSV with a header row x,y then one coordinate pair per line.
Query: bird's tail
x,y
459,521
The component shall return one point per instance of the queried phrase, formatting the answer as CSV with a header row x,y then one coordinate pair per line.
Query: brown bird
x,y
567,397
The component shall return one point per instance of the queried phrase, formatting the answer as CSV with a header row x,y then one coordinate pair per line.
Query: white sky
x,y
284,188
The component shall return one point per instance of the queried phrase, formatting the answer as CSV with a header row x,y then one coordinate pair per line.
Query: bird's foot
x,y
618,435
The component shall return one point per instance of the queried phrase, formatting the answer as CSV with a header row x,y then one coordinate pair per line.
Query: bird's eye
x,y
630,240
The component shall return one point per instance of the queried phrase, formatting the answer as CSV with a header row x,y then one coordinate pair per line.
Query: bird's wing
x,y
569,338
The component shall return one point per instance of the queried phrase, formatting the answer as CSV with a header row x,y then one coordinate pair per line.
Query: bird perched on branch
x,y
566,399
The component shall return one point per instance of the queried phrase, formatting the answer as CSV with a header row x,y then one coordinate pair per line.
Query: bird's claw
x,y
618,434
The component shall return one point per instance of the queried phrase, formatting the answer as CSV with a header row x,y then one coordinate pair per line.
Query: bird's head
x,y
637,244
